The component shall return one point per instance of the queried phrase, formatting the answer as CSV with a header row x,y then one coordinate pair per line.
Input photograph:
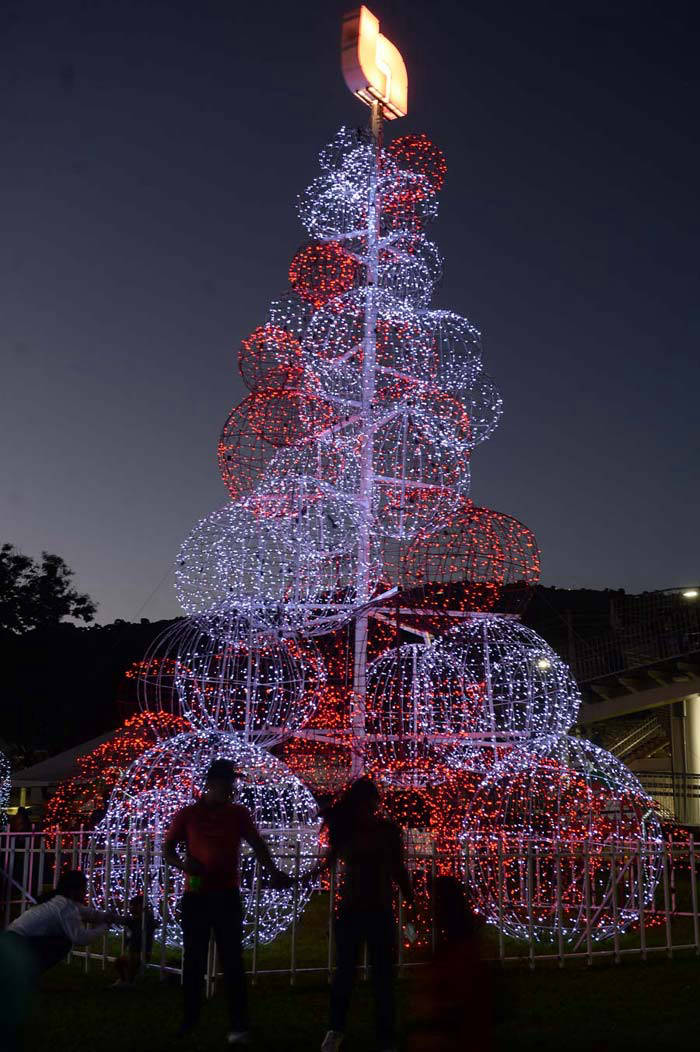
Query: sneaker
x,y
332,1041
238,1037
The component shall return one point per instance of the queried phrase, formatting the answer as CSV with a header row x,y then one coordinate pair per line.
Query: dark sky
x,y
152,153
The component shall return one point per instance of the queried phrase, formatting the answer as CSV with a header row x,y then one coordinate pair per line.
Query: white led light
x,y
171,776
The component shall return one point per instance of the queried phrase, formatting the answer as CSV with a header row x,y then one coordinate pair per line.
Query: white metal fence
x,y
666,921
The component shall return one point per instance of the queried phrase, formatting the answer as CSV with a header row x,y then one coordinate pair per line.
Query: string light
x,y
469,564
76,797
349,466
168,778
264,351
418,154
519,687
562,839
5,784
321,271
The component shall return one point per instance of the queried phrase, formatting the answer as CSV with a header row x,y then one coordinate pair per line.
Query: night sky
x,y
152,153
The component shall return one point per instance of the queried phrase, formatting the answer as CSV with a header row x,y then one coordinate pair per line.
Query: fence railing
x,y
678,794
552,902
672,635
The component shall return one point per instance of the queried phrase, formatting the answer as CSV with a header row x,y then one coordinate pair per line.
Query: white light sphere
x,y
170,777
520,688
402,745
223,672
562,837
268,568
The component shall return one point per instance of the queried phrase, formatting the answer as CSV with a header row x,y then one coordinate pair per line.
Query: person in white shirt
x,y
50,929
40,938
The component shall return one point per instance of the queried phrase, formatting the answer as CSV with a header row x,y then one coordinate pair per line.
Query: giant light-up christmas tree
x,y
350,606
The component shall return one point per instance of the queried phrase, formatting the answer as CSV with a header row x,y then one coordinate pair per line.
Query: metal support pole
x,y
364,496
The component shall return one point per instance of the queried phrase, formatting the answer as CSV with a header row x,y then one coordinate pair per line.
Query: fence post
x,y
614,899
667,901
433,869
501,939
587,899
107,890
295,908
640,892
530,878
91,870
127,884
256,919
165,916
147,853
694,892
11,872
25,872
559,916
331,903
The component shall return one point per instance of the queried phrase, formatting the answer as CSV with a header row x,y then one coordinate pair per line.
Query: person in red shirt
x,y
211,830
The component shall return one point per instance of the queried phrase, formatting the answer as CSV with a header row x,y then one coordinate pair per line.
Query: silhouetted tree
x,y
38,594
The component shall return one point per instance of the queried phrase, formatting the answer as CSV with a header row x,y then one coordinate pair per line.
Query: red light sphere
x,y
321,271
261,354
418,154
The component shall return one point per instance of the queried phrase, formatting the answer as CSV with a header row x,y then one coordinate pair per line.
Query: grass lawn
x,y
640,1006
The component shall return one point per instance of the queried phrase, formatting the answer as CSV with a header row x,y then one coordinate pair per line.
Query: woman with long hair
x,y
369,851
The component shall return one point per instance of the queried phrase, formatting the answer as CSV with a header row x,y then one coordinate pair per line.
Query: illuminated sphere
x,y
311,513
561,791
268,569
321,271
519,687
483,405
411,268
408,691
171,776
421,450
456,346
264,351
477,557
419,154
343,143
223,673
290,313
281,413
234,557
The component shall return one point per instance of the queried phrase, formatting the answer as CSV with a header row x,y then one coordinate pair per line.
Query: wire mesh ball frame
x,y
224,673
519,687
468,564
561,839
322,270
409,690
284,412
263,352
171,776
268,571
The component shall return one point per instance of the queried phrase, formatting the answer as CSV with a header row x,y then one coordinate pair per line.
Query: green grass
x,y
641,1006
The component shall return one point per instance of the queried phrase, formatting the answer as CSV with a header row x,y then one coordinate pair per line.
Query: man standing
x,y
211,830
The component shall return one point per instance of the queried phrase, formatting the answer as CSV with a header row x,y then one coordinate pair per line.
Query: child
x,y
129,964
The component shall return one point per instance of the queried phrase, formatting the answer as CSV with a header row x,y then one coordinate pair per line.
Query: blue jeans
x,y
220,912
353,928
